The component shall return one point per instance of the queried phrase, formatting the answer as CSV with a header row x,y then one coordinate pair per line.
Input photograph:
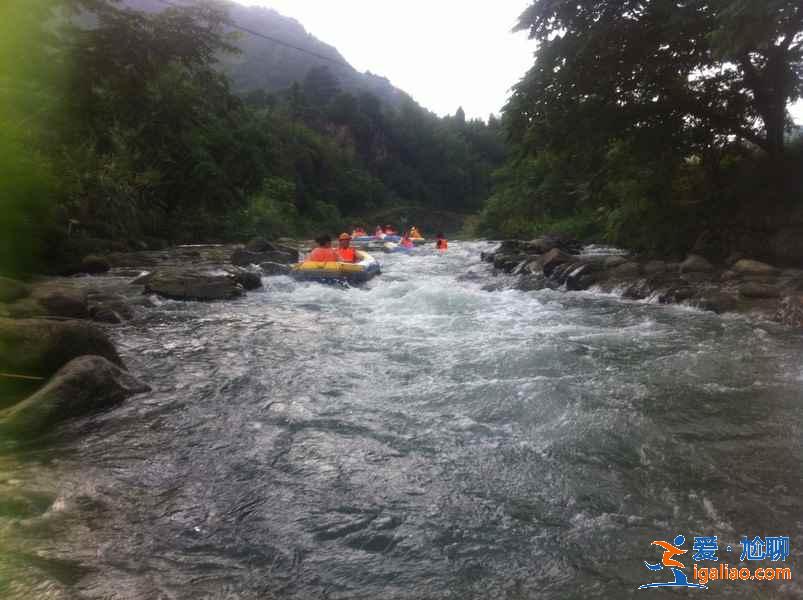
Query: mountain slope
x,y
264,64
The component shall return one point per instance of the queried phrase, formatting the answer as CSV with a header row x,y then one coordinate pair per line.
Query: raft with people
x,y
344,265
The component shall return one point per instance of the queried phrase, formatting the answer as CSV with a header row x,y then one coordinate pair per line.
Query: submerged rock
x,y
84,385
790,311
193,285
758,290
42,346
717,302
272,268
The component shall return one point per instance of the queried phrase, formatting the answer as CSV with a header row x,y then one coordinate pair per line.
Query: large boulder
x,y
84,385
12,290
193,285
40,347
62,300
695,263
746,266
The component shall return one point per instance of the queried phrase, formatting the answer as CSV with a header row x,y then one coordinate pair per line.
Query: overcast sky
x,y
444,53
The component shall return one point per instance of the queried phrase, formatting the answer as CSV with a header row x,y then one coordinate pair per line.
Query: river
x,y
418,438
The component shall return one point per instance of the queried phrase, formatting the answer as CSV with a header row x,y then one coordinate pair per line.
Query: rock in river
x,y
753,267
193,285
695,263
42,346
84,385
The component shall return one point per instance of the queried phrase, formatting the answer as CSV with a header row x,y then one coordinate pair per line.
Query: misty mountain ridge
x,y
273,67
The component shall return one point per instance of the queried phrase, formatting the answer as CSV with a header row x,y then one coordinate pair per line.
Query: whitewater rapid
x,y
423,437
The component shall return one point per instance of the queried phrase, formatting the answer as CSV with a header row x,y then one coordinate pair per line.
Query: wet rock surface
x,y
741,284
82,386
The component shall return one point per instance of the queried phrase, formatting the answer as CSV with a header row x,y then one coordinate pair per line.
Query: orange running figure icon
x,y
669,552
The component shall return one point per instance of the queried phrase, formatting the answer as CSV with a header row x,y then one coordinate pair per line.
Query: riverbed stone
x,y
12,290
655,267
580,277
753,267
758,290
612,262
248,279
95,265
40,347
555,257
84,385
626,270
193,285
695,263
110,308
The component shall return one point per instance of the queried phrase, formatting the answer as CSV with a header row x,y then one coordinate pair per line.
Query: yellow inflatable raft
x,y
367,268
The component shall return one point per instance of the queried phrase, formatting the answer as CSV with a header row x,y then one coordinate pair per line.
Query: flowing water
x,y
420,438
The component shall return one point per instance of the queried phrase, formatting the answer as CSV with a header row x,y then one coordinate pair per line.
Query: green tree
x,y
702,69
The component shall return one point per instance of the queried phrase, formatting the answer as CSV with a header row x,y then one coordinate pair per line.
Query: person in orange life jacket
x,y
406,242
440,242
345,252
414,233
324,251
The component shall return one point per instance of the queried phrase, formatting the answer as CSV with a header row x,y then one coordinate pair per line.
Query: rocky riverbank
x,y
740,284
56,358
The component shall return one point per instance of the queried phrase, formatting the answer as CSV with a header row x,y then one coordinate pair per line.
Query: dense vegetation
x,y
654,124
138,137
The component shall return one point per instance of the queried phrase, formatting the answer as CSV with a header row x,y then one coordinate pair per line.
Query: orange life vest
x,y
347,254
323,255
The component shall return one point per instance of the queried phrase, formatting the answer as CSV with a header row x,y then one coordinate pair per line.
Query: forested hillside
x,y
262,64
658,126
139,138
